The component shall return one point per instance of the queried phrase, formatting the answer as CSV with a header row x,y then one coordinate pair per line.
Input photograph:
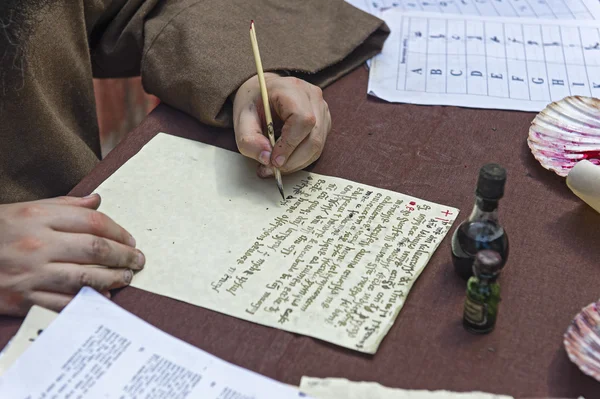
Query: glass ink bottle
x,y
482,229
483,293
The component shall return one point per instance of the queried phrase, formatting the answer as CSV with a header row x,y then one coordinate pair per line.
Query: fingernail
x,y
264,157
131,241
128,276
107,294
89,196
280,160
141,259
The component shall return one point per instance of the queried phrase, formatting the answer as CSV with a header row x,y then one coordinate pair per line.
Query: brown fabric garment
x,y
191,54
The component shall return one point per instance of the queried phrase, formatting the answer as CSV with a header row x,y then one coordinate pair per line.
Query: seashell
x,y
566,132
582,340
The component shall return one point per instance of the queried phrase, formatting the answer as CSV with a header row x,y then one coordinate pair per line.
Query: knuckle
x,y
130,258
85,279
31,211
97,221
15,266
13,290
29,244
64,200
316,144
243,142
309,119
64,278
101,285
126,237
99,248
262,172
296,81
285,146
318,92
281,108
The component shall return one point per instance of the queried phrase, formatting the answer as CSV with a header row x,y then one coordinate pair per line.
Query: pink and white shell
x,y
566,132
582,340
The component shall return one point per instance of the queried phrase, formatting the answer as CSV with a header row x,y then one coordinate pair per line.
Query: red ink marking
x,y
443,220
591,154
447,213
412,203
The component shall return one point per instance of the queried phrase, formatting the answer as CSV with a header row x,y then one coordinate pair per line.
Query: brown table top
x,y
434,153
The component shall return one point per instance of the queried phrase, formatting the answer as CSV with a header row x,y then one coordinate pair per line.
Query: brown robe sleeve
x,y
194,54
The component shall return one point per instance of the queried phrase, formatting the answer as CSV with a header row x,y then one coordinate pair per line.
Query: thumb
x,y
249,137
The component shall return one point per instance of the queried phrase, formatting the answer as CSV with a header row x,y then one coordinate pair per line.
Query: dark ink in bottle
x,y
482,230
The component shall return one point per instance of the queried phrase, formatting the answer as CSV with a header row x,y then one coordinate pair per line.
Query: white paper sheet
x,y
97,350
36,321
517,64
584,180
340,388
336,261
542,9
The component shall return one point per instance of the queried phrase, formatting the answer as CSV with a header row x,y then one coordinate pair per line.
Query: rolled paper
x,y
584,180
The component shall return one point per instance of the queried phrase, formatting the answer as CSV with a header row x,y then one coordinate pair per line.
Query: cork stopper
x,y
490,184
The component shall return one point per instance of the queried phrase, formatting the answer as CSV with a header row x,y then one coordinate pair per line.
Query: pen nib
x,y
279,182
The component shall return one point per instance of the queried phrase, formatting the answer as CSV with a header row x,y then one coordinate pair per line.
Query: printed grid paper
x,y
485,62
543,9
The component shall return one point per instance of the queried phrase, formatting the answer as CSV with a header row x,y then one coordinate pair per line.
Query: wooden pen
x,y
265,98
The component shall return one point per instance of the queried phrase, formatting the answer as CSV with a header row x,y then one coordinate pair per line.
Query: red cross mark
x,y
447,213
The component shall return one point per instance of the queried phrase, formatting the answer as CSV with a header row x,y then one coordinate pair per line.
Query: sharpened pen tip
x,y
280,187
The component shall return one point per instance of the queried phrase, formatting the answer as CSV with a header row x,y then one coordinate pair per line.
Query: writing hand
x,y
50,249
296,104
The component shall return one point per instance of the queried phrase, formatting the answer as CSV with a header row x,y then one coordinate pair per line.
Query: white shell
x,y
566,132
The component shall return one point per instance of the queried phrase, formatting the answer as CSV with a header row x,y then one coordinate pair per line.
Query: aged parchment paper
x,y
37,320
340,388
335,261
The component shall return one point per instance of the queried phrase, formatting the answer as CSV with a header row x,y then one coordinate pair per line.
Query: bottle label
x,y
475,312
